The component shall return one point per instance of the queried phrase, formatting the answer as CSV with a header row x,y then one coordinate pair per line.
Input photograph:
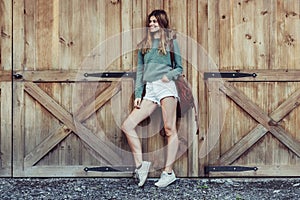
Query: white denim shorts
x,y
157,90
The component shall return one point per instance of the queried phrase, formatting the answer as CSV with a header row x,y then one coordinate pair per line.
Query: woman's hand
x,y
137,103
165,79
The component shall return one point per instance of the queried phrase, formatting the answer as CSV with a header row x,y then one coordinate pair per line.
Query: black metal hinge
x,y
208,75
110,169
111,75
208,169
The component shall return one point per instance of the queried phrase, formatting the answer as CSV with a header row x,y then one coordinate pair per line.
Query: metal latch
x,y
17,76
208,169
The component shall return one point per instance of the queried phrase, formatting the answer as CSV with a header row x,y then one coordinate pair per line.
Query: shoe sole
x,y
161,186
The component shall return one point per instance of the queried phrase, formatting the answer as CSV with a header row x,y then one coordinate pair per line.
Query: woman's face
x,y
153,25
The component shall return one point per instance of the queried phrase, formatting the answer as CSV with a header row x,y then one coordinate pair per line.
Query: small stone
x,y
296,185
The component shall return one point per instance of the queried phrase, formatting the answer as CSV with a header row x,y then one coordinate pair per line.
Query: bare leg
x,y
168,105
129,125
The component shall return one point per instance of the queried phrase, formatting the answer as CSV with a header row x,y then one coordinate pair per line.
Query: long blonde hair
x,y
146,44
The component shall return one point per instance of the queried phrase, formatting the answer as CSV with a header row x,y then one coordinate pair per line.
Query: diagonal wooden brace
x,y
259,115
89,138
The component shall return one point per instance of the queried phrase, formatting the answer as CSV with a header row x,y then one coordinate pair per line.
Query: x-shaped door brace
x,y
73,124
266,123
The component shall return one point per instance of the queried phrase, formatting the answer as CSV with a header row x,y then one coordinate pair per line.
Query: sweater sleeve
x,y
173,74
139,86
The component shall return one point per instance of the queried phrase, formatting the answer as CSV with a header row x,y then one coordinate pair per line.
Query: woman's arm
x,y
173,74
139,85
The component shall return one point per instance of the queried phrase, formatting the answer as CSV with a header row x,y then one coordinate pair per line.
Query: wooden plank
x,y
263,75
273,46
127,35
180,22
5,36
242,146
98,102
288,106
65,39
226,32
18,129
290,34
75,75
263,171
30,33
6,129
289,141
216,120
113,46
45,146
61,114
127,95
5,75
193,77
245,104
137,24
261,38
70,171
202,40
18,34
153,4
43,37
54,76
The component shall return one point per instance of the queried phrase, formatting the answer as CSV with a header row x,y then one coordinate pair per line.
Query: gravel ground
x,y
126,188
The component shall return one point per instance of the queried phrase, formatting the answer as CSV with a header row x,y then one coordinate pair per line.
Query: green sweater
x,y
153,65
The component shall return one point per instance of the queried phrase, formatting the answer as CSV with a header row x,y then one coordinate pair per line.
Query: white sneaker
x,y
142,173
166,179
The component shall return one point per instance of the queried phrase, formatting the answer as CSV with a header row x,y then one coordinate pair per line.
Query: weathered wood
x,y
215,123
263,170
73,124
261,117
56,43
54,76
98,102
259,131
193,164
288,106
240,99
70,171
52,140
45,146
202,65
6,60
18,129
290,142
265,75
242,146
6,129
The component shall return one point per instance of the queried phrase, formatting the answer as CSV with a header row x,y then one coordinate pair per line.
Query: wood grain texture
x,y
52,44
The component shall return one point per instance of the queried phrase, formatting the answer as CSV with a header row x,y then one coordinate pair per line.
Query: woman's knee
x,y
170,129
127,126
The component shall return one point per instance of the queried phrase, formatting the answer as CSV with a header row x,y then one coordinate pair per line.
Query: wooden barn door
x,y
253,132
64,120
67,112
253,105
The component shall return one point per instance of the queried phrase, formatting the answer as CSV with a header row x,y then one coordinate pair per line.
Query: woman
x,y
154,69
